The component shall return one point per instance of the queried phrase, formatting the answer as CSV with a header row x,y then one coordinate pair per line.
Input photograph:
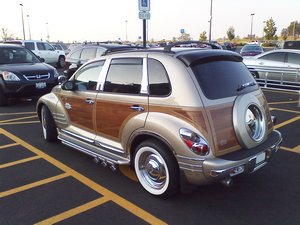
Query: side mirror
x,y
61,79
41,59
68,85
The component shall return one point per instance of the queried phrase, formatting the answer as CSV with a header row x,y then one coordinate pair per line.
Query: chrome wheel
x,y
44,122
151,170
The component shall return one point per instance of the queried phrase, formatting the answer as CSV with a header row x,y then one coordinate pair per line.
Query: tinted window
x,y
221,79
292,45
48,47
277,56
29,45
293,58
124,76
87,77
88,53
158,79
40,46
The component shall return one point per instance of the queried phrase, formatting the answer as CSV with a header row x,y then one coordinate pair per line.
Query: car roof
x,y
5,45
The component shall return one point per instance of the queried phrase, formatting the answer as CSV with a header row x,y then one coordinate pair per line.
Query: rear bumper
x,y
244,161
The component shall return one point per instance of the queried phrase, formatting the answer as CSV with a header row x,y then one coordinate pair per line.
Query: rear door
x,y
122,105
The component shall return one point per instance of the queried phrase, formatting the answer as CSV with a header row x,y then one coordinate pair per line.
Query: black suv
x,y
22,73
81,54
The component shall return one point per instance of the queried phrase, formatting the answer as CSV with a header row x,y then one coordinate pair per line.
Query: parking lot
x,y
43,183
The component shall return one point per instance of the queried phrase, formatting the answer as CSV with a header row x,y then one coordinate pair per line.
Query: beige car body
x,y
105,126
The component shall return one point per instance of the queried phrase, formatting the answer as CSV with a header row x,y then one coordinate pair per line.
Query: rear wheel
x,y
48,125
156,168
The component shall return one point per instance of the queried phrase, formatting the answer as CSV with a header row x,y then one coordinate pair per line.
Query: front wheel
x,y
48,125
3,99
156,168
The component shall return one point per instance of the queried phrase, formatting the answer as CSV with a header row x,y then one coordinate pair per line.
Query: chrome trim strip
x,y
186,164
189,158
108,147
193,170
77,136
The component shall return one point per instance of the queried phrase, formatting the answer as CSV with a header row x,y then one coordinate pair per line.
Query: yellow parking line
x,y
8,145
277,103
287,122
32,185
17,119
19,162
144,215
295,150
20,113
285,110
16,123
74,211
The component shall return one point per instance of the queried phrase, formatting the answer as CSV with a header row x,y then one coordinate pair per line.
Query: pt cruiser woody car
x,y
194,115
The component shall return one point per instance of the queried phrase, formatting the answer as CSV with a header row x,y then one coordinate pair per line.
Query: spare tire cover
x,y
249,120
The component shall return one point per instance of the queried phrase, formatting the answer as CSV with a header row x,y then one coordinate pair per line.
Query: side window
x,y
159,84
100,51
76,54
88,53
293,58
278,56
124,76
40,46
29,45
87,77
48,47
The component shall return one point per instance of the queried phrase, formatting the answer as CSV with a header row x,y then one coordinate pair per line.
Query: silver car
x,y
285,61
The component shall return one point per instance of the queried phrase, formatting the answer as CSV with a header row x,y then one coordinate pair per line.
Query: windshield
x,y
251,48
12,55
221,79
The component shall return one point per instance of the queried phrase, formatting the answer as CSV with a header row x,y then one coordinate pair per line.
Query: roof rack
x,y
198,44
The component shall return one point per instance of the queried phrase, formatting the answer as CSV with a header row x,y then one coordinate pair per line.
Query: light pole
x,y
252,14
210,21
22,21
263,33
126,30
28,27
48,37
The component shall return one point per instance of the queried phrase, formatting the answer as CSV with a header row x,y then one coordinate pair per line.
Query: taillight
x,y
194,142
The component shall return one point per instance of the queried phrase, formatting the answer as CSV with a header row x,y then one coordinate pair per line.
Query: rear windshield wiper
x,y
243,86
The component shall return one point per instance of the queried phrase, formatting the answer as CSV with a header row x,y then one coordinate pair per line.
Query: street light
x,y
22,21
48,37
252,14
126,30
263,33
210,21
28,27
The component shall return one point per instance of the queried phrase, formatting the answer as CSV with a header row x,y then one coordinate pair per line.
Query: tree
x,y
185,37
230,33
270,29
294,29
6,35
203,36
284,34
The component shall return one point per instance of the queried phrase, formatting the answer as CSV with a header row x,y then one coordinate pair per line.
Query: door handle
x,y
89,101
137,108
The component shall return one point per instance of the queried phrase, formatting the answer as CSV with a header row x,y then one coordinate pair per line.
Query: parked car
x,y
251,50
291,45
81,54
61,46
194,116
46,51
229,46
281,58
23,74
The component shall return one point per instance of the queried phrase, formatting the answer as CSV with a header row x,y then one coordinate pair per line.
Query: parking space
x,y
56,192
39,185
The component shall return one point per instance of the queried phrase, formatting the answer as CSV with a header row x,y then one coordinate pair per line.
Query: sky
x,y
102,20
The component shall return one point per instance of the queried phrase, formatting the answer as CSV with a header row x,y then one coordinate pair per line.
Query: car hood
x,y
27,68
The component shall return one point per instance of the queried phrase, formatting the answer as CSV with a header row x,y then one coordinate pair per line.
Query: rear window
x,y
222,79
291,45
